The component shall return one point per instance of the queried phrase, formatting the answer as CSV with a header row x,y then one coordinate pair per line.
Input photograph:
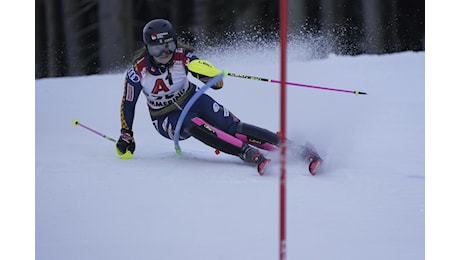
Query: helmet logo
x,y
155,36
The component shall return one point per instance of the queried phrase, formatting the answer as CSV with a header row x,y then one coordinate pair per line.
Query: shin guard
x,y
257,136
215,137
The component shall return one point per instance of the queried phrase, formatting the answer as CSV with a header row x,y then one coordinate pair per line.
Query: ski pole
x,y
206,68
294,84
76,122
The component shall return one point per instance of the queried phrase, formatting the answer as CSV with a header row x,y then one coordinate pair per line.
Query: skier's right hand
x,y
125,145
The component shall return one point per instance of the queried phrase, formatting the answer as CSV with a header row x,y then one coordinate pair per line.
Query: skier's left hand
x,y
219,84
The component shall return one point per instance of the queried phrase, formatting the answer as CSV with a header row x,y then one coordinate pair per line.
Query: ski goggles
x,y
158,49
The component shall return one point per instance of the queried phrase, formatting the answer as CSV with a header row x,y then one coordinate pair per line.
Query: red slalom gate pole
x,y
283,47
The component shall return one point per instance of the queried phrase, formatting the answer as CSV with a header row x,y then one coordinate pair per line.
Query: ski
x,y
306,153
314,165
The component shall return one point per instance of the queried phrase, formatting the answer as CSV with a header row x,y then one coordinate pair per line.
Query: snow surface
x,y
368,203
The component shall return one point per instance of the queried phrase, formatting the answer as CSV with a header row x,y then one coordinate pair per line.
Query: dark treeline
x,y
79,37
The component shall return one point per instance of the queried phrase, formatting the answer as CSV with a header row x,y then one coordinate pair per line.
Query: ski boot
x,y
253,156
314,162
312,157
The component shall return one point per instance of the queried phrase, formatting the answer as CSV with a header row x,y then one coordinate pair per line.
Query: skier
x,y
160,72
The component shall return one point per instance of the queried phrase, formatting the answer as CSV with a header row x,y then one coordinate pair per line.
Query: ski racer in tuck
x,y
160,72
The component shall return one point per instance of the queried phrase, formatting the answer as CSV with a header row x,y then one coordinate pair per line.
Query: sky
x,y
20,227
367,203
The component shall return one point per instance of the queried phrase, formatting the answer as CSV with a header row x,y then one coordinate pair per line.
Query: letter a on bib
x,y
160,85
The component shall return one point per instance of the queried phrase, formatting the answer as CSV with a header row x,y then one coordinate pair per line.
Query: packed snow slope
x,y
367,203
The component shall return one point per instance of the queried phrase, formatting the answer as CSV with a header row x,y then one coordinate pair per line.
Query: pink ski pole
x,y
356,92
76,122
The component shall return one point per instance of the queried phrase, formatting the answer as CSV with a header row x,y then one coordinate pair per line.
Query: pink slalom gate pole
x,y
76,122
356,92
